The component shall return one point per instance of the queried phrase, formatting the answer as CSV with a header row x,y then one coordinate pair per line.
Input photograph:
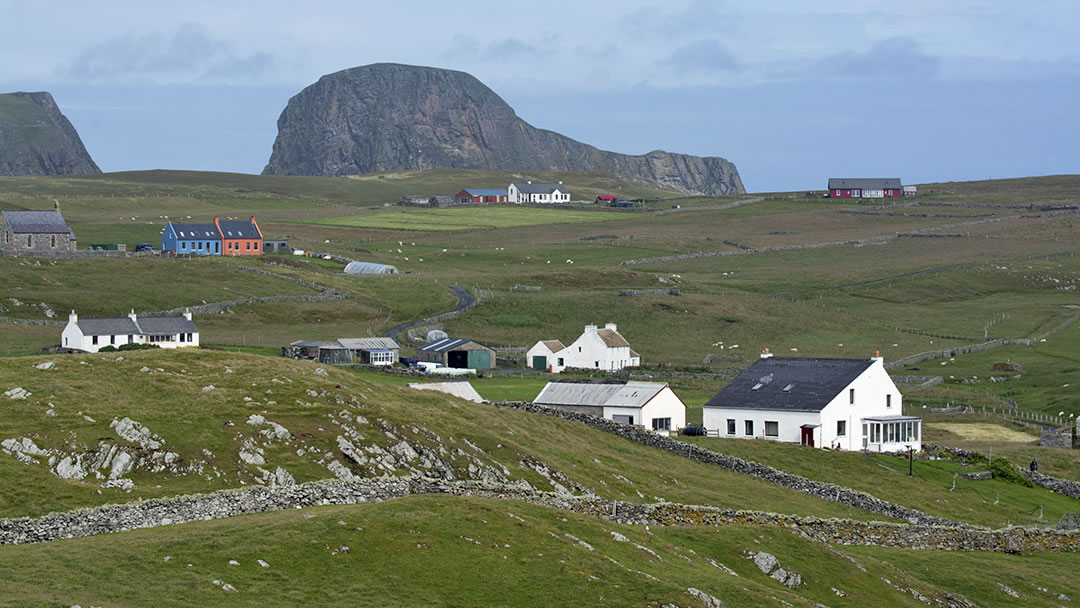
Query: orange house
x,y
239,237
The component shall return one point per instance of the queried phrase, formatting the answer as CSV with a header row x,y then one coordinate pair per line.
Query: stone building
x,y
29,233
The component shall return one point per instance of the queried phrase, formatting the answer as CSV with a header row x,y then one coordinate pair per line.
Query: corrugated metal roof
x,y
368,343
864,183
486,191
598,393
441,346
789,383
36,222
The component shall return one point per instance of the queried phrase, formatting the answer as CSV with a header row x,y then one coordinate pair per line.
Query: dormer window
x,y
787,389
757,386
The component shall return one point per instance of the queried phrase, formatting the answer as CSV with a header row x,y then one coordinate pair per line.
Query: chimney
x,y
132,316
878,357
73,318
766,354
187,314
611,326
56,205
590,329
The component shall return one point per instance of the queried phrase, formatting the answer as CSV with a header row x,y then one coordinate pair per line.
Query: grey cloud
x,y
190,54
700,16
703,56
894,58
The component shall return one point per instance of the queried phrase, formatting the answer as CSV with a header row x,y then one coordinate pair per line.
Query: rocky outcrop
x,y
386,117
36,139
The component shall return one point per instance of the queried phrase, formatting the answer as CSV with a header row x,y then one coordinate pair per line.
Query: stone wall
x,y
1065,487
1062,438
825,491
649,292
229,503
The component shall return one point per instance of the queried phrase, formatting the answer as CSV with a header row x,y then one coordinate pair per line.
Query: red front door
x,y
808,437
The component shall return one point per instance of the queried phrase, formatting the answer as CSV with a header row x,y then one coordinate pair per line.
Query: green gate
x,y
479,359
540,363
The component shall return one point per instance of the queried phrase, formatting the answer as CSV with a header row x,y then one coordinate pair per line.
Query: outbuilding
x,y
369,268
482,195
371,351
652,405
846,404
457,352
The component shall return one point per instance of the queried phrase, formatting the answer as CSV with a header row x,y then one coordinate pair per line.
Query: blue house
x,y
191,239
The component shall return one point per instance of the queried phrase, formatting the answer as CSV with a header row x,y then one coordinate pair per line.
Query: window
x,y
130,338
661,424
561,362
53,241
596,363
93,340
183,245
851,396
112,339
772,428
841,428
29,240
748,427
182,337
888,400
249,245
256,246
579,349
730,426
200,245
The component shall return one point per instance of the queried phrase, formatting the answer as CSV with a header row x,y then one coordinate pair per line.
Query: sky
x,y
793,92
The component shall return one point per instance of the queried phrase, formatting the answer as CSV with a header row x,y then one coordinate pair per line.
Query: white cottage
x,y
650,404
528,192
91,335
847,404
595,349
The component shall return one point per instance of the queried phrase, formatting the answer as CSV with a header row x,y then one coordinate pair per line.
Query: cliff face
x,y
36,139
386,117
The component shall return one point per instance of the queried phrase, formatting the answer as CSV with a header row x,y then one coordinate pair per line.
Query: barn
x,y
650,404
883,187
482,195
457,352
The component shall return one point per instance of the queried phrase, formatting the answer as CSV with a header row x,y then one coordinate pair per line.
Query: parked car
x,y
145,247
407,361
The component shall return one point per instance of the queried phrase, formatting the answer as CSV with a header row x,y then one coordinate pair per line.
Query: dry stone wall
x,y
229,503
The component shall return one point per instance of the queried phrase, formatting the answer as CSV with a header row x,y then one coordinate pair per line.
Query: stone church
x,y
30,233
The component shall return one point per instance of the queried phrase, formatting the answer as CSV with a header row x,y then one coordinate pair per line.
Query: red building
x,y
482,195
888,187
240,237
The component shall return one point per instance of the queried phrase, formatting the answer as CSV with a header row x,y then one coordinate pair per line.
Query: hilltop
x,y
37,139
386,117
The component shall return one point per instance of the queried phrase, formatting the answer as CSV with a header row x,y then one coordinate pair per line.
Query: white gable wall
x,y
541,350
665,404
871,389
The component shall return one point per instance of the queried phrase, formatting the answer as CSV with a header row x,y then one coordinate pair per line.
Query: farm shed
x,y
276,246
887,187
414,200
847,404
369,268
334,354
456,352
371,351
30,232
301,349
482,195
437,201
650,404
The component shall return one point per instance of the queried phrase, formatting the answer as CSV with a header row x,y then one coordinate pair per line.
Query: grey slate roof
x,y
486,191
867,183
239,229
539,188
598,393
36,222
190,232
811,384
144,326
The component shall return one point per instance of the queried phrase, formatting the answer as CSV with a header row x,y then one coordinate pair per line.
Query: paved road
x,y
465,300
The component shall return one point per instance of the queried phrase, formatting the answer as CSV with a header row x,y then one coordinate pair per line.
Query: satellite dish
x,y
435,335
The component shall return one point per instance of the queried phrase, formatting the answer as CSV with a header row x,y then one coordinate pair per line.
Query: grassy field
x,y
439,551
472,218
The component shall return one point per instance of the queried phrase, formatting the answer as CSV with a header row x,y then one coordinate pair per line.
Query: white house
x,y
91,335
528,192
847,404
650,404
594,349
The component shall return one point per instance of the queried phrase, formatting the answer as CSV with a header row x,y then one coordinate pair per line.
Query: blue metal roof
x,y
487,191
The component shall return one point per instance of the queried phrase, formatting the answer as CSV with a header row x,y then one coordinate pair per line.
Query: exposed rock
x,y
36,139
709,600
122,463
208,388
17,393
70,468
386,117
768,564
23,449
135,432
45,365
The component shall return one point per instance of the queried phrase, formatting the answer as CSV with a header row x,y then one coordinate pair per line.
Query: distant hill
x,y
36,139
387,117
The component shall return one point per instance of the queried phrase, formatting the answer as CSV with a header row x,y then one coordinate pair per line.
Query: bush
x,y
134,347
107,349
1005,470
